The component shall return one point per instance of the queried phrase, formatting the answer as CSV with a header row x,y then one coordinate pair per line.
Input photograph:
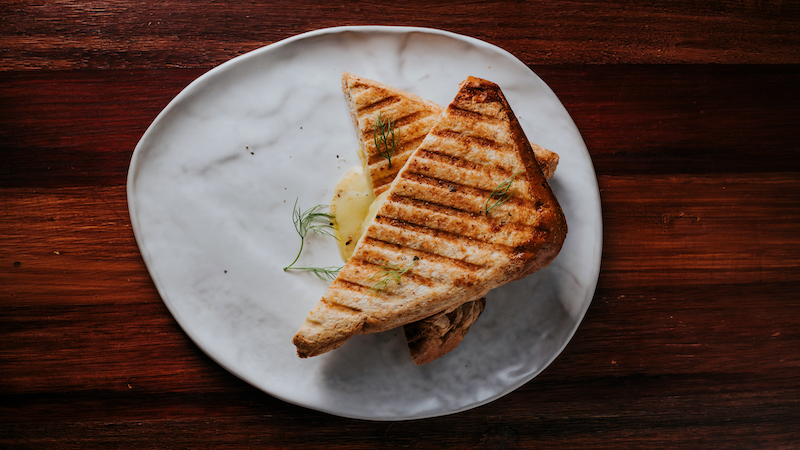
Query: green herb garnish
x,y
320,223
502,193
389,273
385,139
323,273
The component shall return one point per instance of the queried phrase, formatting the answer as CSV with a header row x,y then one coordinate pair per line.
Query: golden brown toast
x,y
411,115
428,339
437,227
435,336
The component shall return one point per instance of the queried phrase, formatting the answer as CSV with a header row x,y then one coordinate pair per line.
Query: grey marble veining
x,y
211,188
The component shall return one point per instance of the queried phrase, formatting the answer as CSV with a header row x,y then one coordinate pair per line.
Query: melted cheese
x,y
350,206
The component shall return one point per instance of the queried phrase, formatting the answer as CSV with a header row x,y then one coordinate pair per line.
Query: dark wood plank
x,y
694,119
696,231
78,128
126,34
70,247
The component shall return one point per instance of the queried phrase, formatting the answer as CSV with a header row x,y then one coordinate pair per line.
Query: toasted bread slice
x,y
441,238
412,117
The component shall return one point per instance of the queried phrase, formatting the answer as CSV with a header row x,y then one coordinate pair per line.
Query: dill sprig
x,y
323,273
502,193
385,138
320,223
388,274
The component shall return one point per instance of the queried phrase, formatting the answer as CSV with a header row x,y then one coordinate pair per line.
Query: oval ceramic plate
x,y
211,188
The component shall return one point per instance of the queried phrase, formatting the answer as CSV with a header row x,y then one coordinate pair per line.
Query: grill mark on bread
x,y
345,284
410,118
379,271
469,115
370,263
470,148
442,183
378,104
448,194
375,255
437,159
382,184
442,217
408,200
429,256
404,147
424,239
410,139
484,170
457,136
341,307
450,160
460,192
355,83
459,176
399,122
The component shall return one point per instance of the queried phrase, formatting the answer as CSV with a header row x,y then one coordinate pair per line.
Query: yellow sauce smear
x,y
350,205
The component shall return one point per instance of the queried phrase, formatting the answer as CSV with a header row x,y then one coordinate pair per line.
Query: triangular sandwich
x,y
471,210
435,336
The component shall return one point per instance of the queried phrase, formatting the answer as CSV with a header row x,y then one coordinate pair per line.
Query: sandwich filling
x,y
351,202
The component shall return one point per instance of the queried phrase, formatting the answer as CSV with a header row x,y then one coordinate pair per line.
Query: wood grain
x,y
690,111
125,34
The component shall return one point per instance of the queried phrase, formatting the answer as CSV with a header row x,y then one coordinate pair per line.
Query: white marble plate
x,y
211,188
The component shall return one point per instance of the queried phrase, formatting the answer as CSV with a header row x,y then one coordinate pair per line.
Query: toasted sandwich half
x,y
444,236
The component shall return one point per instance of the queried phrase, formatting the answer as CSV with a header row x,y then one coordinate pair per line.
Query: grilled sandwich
x,y
443,236
435,336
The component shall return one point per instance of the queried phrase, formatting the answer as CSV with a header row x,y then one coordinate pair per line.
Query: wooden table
x,y
691,114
